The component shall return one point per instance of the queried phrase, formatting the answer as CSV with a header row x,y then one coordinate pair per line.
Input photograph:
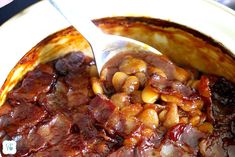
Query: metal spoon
x,y
104,46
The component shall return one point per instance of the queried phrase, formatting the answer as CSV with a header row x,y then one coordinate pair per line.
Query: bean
x,y
194,120
191,105
162,115
96,85
131,110
183,120
118,80
149,95
199,104
206,127
142,78
104,74
171,98
131,84
172,116
156,107
120,99
155,70
132,65
195,112
181,74
186,107
93,71
193,83
202,118
150,118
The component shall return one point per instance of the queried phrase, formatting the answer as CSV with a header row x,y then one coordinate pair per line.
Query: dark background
x,y
17,5
13,8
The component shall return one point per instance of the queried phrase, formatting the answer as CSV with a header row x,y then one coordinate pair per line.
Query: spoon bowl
x,y
104,46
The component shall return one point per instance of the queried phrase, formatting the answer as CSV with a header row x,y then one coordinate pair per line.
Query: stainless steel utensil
x,y
104,46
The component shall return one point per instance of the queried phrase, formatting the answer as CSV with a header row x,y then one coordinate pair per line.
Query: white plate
x,y
26,29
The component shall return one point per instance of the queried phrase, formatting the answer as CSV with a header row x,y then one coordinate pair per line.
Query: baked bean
x,y
156,107
96,85
149,95
187,106
93,71
195,112
142,78
193,83
104,74
131,110
120,99
206,127
202,118
132,65
181,74
172,116
150,118
118,80
194,120
183,120
191,105
199,104
171,98
154,70
162,115
131,84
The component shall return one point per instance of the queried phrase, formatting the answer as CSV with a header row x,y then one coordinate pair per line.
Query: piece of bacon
x,y
55,130
70,63
34,84
185,137
101,108
170,87
22,117
72,146
50,133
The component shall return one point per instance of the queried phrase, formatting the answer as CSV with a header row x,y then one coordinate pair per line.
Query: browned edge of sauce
x,y
125,21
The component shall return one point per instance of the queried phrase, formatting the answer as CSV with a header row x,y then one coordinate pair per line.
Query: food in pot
x,y
142,105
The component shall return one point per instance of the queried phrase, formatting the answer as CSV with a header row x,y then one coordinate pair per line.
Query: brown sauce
x,y
143,105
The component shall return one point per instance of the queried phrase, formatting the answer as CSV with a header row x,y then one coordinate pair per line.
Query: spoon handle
x,y
74,14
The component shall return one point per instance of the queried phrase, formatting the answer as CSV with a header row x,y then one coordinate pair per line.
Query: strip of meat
x,y
22,117
85,124
182,139
55,130
35,83
71,146
170,87
50,133
70,63
101,108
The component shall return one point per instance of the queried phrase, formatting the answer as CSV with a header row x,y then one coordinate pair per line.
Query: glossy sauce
x,y
55,111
